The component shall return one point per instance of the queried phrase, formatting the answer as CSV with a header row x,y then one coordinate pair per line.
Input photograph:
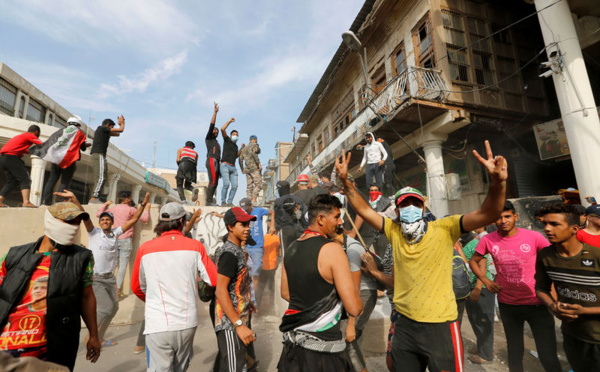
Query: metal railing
x,y
413,82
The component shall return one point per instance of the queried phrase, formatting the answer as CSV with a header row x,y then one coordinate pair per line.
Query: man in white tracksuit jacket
x,y
375,156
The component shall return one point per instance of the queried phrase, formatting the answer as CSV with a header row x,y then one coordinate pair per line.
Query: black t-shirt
x,y
230,150
305,195
227,265
213,148
101,138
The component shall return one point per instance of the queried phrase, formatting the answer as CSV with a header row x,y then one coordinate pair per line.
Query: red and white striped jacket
x,y
165,276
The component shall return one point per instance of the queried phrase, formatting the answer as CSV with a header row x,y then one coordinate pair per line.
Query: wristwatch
x,y
238,323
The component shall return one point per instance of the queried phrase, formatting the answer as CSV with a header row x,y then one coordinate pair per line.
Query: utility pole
x,y
575,98
154,155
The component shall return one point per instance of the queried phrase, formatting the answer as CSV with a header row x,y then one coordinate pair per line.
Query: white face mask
x,y
234,138
62,233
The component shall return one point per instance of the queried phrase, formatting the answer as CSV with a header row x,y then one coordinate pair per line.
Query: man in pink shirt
x,y
123,212
514,251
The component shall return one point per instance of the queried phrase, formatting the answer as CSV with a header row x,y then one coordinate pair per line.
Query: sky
x,y
163,63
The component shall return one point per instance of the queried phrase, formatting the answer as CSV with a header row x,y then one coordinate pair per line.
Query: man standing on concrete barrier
x,y
213,157
228,167
187,162
123,213
427,333
13,165
103,244
514,251
62,150
171,295
99,149
574,269
45,287
252,169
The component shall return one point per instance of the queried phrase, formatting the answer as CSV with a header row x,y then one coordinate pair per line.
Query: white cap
x,y
75,120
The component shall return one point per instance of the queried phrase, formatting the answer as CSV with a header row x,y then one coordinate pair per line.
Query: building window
x,y
8,97
326,138
484,75
22,108
455,40
60,122
343,114
423,41
478,31
399,60
50,119
378,80
320,143
35,111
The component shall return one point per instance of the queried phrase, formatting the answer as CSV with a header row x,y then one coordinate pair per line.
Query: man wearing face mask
x,y
104,246
427,333
228,170
187,161
53,333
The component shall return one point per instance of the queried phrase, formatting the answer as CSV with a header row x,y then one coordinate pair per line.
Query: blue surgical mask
x,y
234,138
411,214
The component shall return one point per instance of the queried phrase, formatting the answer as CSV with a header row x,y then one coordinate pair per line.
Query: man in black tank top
x,y
317,283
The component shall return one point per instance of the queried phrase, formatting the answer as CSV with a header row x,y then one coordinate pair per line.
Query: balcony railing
x,y
413,82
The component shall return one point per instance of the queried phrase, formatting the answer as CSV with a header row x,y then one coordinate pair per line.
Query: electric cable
x,y
501,30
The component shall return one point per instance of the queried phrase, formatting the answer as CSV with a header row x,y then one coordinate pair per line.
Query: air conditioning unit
x,y
453,186
272,164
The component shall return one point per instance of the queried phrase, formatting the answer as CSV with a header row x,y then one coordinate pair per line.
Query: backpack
x,y
461,280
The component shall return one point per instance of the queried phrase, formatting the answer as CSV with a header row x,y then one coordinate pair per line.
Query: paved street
x,y
268,345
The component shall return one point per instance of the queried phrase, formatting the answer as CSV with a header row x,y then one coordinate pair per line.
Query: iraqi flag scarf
x,y
62,147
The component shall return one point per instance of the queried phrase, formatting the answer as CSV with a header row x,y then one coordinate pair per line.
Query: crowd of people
x,y
338,251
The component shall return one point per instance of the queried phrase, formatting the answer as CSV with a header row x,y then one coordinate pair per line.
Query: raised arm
x,y
359,204
212,122
494,202
120,128
224,128
195,218
127,225
89,226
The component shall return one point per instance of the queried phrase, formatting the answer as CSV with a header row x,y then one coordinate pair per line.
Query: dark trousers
x,y
582,356
374,170
100,168
15,172
417,346
65,181
541,322
212,166
288,235
389,187
481,317
183,183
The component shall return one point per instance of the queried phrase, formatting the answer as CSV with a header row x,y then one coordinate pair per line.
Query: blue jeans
x,y
123,254
230,176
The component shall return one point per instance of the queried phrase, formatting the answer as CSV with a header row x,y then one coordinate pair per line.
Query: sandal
x,y
476,359
108,343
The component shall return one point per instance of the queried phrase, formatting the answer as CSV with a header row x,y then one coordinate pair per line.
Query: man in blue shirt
x,y
256,250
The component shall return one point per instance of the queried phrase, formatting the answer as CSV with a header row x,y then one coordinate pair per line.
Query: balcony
x,y
394,103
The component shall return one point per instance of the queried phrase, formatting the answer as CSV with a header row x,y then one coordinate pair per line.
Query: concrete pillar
x,y
114,184
575,98
38,167
436,178
135,193
152,198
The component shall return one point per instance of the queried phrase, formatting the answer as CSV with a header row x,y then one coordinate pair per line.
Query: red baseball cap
x,y
237,214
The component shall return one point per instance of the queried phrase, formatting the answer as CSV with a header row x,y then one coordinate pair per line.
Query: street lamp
x,y
355,45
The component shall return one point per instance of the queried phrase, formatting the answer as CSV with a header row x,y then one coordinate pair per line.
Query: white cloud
x,y
140,82
147,25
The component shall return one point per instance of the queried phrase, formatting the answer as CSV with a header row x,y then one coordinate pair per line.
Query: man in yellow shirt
x,y
427,332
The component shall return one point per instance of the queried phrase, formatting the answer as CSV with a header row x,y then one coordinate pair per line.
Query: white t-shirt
x,y
104,247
